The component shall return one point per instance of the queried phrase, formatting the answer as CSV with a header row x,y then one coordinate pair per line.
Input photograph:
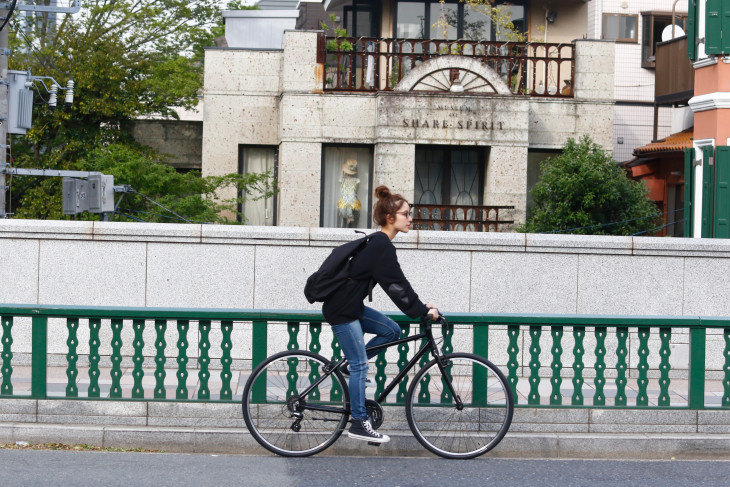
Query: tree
x,y
129,59
583,191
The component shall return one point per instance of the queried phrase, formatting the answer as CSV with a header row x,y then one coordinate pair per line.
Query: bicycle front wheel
x,y
459,432
283,419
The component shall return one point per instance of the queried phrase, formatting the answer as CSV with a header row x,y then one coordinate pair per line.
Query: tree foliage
x,y
583,191
129,59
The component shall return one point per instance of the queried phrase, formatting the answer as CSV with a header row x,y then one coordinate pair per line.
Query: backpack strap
x,y
371,284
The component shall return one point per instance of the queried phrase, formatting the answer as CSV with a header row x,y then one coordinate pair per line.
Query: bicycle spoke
x,y
471,431
278,416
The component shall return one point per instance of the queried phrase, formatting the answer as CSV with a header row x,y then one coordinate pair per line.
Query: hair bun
x,y
382,192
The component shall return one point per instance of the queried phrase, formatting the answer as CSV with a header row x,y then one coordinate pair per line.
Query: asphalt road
x,y
59,468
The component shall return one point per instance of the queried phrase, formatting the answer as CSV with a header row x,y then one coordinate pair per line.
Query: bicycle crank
x,y
375,413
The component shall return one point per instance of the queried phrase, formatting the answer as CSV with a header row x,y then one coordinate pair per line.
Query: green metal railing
x,y
549,360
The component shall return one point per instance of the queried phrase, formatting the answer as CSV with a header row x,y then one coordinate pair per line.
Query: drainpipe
x,y
674,13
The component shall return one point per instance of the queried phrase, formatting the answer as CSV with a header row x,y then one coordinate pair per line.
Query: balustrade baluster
x,y
642,399
204,359
116,373
6,389
535,333
556,398
292,375
599,398
665,335
403,348
578,351
72,357
182,359
336,391
226,360
314,330
513,349
622,333
94,358
138,359
424,395
160,359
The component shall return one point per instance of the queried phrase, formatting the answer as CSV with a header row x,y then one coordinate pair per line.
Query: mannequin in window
x,y
348,205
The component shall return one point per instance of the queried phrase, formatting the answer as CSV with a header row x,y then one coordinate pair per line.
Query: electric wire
x,y
160,205
601,225
11,10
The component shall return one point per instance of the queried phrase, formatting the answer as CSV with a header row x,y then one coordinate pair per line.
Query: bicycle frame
x,y
429,346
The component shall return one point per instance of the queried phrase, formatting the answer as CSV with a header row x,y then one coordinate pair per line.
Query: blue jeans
x,y
352,342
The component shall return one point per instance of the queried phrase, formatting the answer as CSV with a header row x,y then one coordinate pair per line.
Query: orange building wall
x,y
713,124
711,79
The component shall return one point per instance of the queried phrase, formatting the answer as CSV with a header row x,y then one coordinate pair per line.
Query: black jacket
x,y
377,261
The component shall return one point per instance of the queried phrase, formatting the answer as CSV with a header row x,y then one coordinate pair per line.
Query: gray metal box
x,y
101,193
75,192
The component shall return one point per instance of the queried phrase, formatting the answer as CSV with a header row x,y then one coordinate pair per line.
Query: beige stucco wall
x,y
275,98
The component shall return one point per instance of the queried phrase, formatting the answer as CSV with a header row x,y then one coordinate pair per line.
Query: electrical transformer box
x,y
95,194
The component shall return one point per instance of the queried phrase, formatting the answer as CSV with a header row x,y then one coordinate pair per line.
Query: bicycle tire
x,y
460,434
270,398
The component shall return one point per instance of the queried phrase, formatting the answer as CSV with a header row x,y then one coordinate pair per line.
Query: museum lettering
x,y
453,124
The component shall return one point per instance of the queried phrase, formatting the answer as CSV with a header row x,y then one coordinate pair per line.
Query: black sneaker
x,y
345,369
362,430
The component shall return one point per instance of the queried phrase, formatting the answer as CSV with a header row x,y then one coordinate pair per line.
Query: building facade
x,y
457,127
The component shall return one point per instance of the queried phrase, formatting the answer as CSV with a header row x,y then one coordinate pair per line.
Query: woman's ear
x,y
390,219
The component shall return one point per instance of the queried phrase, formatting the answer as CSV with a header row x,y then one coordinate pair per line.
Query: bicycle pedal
x,y
372,443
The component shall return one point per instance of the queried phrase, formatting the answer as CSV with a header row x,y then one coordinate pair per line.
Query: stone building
x,y
457,127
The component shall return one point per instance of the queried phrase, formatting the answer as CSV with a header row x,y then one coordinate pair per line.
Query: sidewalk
x,y
545,432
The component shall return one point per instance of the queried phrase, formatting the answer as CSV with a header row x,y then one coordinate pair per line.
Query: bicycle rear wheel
x,y
280,418
448,431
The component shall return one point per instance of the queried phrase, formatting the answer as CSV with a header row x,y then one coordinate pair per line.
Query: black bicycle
x,y
459,405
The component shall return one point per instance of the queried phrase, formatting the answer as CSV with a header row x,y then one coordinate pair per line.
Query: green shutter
x,y
692,30
725,27
713,26
708,187
722,192
689,156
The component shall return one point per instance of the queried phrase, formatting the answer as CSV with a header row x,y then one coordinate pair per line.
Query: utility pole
x,y
3,111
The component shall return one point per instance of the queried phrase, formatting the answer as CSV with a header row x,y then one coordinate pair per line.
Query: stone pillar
x,y
395,167
301,71
594,69
300,176
506,183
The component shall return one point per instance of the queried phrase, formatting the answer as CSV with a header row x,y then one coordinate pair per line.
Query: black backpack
x,y
334,271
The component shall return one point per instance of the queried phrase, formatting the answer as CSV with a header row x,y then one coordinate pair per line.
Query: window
x,y
448,176
346,180
257,159
419,20
361,19
653,25
620,27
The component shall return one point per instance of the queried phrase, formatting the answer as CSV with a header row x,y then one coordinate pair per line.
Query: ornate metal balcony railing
x,y
367,64
459,217
205,355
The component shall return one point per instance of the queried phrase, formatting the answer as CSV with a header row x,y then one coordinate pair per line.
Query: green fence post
x,y
39,360
697,367
258,354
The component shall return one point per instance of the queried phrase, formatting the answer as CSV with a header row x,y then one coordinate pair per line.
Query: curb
x,y
515,445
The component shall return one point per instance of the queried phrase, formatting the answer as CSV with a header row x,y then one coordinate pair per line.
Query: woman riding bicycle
x,y
350,318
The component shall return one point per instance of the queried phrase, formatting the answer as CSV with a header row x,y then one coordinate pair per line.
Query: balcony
x,y
366,64
459,218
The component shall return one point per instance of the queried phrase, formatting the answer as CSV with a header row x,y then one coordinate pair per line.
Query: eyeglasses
x,y
407,214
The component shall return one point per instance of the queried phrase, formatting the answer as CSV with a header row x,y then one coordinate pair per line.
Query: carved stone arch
x,y
437,74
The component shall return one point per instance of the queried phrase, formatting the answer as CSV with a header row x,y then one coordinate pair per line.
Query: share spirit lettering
x,y
453,124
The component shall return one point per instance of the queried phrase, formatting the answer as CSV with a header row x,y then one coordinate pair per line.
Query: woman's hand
x,y
433,313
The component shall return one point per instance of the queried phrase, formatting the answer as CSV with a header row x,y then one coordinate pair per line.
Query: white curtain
x,y
336,181
258,160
